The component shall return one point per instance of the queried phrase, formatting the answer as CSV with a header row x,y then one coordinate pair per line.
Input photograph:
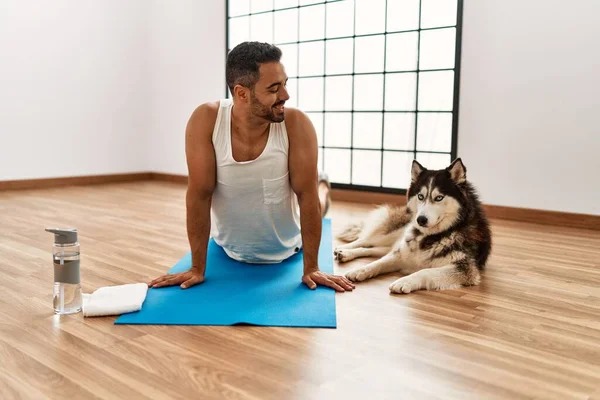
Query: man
x,y
253,182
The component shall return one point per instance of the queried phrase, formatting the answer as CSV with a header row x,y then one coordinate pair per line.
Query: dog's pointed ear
x,y
458,171
416,171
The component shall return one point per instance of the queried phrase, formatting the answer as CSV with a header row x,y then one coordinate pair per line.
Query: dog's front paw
x,y
405,284
359,275
342,255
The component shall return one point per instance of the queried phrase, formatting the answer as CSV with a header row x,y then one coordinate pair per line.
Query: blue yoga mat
x,y
238,293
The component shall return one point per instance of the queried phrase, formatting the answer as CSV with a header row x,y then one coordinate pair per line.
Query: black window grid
x,y
456,89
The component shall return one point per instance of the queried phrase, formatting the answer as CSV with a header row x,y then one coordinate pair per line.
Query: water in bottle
x,y
66,258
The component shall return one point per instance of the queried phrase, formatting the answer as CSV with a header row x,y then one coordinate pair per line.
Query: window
x,y
378,78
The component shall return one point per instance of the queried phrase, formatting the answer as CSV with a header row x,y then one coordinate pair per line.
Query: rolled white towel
x,y
114,300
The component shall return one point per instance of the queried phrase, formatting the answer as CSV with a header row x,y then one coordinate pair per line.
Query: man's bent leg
x,y
324,193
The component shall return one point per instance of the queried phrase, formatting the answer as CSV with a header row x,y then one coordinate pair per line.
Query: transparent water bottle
x,y
67,287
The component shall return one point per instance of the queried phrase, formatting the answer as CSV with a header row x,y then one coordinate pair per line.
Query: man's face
x,y
270,93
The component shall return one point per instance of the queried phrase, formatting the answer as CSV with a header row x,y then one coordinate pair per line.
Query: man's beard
x,y
260,110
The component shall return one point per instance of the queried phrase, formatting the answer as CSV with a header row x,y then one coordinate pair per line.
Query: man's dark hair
x,y
244,60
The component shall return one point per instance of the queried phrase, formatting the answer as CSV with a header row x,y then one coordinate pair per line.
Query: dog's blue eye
x,y
439,198
420,197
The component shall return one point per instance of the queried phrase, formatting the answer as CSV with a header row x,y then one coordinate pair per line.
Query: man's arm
x,y
201,184
303,158
303,178
201,164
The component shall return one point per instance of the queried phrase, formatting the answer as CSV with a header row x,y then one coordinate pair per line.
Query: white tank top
x,y
254,213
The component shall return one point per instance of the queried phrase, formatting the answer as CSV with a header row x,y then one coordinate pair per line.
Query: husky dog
x,y
440,240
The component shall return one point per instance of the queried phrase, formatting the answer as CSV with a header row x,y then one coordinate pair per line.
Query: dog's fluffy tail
x,y
351,232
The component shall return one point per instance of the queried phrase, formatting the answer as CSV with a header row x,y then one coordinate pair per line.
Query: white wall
x,y
73,88
529,126
187,68
95,80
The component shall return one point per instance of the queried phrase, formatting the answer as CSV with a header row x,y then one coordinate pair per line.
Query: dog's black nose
x,y
422,220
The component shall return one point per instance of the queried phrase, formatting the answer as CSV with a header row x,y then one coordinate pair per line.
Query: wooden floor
x,y
530,330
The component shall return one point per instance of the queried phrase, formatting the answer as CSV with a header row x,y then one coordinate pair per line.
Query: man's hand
x,y
339,283
186,279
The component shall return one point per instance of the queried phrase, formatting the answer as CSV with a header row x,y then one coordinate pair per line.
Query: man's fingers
x,y
328,282
170,281
348,282
155,280
192,281
309,282
162,284
342,283
158,280
334,285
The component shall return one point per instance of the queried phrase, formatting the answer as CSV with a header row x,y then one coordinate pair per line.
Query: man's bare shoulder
x,y
207,109
206,112
202,121
296,121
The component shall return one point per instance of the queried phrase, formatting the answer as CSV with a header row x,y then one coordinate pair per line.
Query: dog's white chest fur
x,y
408,248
